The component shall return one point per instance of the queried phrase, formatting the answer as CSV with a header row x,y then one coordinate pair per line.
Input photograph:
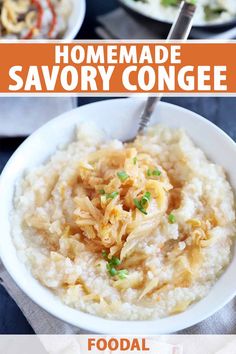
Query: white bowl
x,y
119,119
76,19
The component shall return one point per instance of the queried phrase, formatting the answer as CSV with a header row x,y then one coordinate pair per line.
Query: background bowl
x,y
76,19
155,19
119,118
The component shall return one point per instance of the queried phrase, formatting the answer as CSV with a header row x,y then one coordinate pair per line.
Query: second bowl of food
x,y
41,19
122,238
212,14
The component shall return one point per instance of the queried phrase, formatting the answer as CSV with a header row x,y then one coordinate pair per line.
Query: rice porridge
x,y
126,231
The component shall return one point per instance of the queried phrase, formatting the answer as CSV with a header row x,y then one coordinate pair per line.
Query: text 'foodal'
x,y
118,344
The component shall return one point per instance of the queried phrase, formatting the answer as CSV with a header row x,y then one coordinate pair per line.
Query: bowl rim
x,y
72,33
207,25
84,320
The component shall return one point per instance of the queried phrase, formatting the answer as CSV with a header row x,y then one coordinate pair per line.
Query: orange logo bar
x,y
117,68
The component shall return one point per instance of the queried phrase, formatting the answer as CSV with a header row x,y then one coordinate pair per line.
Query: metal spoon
x,y
179,30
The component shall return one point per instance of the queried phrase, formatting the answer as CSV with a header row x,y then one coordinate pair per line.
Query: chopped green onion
x,y
122,176
115,261
156,172
112,195
176,2
135,160
172,218
170,2
102,192
111,266
111,270
122,274
139,206
212,13
104,254
145,199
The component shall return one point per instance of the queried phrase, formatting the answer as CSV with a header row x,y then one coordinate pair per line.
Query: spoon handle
x,y
179,30
183,22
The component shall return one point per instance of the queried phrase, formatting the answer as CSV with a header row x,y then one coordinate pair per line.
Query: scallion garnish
x,y
115,261
122,176
104,254
142,203
145,199
171,219
111,270
155,172
139,206
135,160
112,264
123,273
102,192
112,195
170,2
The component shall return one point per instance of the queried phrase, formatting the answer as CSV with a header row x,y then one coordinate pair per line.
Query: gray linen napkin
x,y
131,28
21,116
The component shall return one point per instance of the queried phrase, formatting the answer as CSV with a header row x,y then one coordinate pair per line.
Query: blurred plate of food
x,y
209,13
41,19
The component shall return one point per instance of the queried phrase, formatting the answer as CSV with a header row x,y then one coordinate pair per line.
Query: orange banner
x,y
117,68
